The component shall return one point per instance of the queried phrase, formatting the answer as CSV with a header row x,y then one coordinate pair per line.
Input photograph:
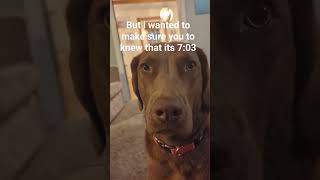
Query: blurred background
x,y
127,148
44,131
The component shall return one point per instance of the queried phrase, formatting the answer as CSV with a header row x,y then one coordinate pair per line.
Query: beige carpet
x,y
129,110
67,155
127,149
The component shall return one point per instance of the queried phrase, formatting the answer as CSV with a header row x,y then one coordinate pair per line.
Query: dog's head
x,y
173,89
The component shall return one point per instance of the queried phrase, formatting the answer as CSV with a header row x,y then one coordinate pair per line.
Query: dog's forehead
x,y
169,55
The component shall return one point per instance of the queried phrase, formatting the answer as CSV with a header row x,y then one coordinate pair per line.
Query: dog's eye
x,y
189,66
146,67
259,17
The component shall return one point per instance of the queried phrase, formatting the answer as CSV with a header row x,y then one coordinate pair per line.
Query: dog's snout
x,y
166,110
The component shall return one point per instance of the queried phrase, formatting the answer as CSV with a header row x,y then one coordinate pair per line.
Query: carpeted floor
x,y
127,148
67,155
129,110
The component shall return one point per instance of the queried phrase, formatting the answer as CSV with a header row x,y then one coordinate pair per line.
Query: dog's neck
x,y
184,148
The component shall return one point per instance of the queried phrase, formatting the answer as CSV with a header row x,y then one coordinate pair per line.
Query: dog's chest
x,y
186,169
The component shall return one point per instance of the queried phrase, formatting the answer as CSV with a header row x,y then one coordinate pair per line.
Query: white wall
x,y
113,60
116,54
200,26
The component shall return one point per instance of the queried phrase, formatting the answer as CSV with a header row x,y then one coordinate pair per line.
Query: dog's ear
x,y
205,80
134,70
77,15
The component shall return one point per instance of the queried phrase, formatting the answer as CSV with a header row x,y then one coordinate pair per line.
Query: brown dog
x,y
173,89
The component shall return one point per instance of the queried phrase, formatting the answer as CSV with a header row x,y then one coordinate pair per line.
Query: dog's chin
x,y
170,137
174,134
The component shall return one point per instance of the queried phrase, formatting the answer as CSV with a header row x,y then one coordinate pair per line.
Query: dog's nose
x,y
167,110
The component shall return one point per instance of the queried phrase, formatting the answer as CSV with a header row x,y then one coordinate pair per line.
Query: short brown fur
x,y
168,81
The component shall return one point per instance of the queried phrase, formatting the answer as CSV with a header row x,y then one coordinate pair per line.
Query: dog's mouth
x,y
164,132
